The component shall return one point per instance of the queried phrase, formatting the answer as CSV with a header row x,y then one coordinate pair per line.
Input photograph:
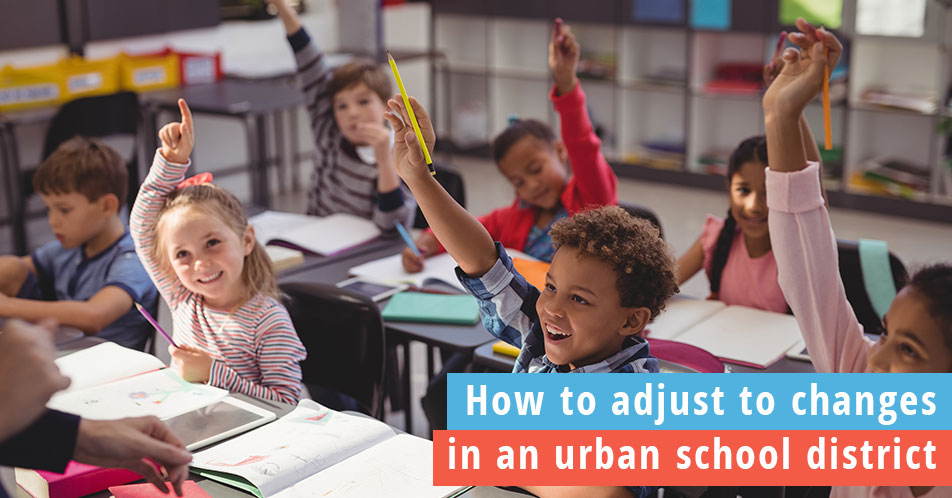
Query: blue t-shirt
x,y
67,275
539,242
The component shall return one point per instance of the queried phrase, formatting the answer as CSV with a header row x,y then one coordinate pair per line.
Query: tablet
x,y
217,421
374,290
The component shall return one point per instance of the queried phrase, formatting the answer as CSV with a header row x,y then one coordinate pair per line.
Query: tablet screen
x,y
215,422
369,289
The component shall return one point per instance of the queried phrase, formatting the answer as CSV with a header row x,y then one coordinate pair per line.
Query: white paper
x,y
162,393
744,335
322,235
400,467
298,445
441,267
681,314
104,363
891,17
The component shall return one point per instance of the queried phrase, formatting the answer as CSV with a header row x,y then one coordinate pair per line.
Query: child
x,y
735,251
918,337
89,276
534,162
610,275
353,163
202,255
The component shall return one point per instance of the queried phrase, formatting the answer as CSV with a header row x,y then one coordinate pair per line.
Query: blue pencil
x,y
407,239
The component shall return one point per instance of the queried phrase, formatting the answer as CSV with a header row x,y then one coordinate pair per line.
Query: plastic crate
x,y
86,78
144,72
197,68
22,88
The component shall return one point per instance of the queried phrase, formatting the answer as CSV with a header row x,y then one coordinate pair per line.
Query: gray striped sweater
x,y
340,182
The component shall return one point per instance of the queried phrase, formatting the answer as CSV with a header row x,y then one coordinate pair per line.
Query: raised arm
x,y
168,170
800,232
592,175
461,234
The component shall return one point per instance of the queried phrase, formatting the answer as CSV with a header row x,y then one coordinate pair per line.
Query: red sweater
x,y
593,182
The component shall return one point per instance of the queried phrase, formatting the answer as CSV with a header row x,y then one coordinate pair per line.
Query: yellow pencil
x,y
413,119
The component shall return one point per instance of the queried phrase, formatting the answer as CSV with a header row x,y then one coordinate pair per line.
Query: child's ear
x,y
637,320
248,240
109,203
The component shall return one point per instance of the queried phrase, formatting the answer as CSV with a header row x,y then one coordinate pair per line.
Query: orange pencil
x,y
827,127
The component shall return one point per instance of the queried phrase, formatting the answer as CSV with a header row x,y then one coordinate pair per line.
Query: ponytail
x,y
722,248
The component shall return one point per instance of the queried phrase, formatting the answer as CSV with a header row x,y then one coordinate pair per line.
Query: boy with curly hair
x,y
611,274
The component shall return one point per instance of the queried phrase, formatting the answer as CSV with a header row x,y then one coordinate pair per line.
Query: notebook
x,y
441,268
283,258
316,451
735,334
319,235
457,309
79,479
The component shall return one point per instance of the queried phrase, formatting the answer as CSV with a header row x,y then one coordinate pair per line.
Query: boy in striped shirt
x,y
353,160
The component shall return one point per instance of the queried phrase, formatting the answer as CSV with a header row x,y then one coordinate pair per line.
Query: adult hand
x,y
178,139
144,445
28,374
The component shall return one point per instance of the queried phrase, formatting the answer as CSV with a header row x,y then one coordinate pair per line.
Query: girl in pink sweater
x,y
918,337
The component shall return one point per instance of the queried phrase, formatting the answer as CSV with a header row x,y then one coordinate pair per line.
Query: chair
x,y
344,337
851,273
452,181
639,211
101,116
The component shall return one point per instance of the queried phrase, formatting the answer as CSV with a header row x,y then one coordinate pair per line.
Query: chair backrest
x,y
851,273
452,181
686,355
639,211
100,116
344,337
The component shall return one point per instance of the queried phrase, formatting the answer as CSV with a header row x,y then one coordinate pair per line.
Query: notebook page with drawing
x,y
375,472
162,393
321,235
306,442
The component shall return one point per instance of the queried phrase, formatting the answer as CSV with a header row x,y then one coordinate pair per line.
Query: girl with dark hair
x,y
735,251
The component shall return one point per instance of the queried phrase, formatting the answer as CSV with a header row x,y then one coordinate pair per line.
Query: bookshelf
x,y
647,68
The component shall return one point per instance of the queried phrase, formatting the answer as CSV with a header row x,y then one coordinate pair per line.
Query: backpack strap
x,y
877,274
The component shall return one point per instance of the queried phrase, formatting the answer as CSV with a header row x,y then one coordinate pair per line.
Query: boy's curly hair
x,y
632,246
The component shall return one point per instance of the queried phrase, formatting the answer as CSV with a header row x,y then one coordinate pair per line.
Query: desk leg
x,y
429,362
295,165
257,158
280,151
407,395
11,163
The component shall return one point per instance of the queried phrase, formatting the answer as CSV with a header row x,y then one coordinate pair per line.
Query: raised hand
x,y
563,57
407,154
178,139
803,70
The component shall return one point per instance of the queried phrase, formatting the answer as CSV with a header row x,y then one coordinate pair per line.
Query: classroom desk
x,y
248,101
217,489
485,356
449,337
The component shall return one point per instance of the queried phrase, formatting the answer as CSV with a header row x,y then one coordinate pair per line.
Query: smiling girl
x,y
196,244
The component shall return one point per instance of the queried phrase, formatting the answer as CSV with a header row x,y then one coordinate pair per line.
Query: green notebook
x,y
433,308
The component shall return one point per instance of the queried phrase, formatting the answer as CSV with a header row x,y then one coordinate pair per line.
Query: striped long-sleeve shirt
x,y
255,349
341,181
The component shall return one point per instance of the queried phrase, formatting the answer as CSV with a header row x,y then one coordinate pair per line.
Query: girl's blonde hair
x,y
257,272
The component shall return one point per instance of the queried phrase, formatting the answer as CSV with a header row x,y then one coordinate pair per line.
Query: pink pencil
x,y
783,38
154,323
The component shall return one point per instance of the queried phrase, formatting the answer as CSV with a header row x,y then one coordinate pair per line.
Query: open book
x,y
112,382
441,268
735,334
315,451
319,235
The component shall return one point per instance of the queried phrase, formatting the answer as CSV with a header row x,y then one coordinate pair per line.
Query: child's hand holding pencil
x,y
407,152
802,75
563,57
